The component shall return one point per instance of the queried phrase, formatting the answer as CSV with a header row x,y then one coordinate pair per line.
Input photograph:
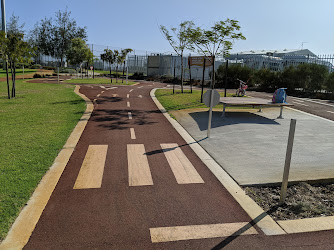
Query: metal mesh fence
x,y
152,63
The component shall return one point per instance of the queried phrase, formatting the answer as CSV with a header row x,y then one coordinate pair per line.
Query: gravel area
x,y
303,200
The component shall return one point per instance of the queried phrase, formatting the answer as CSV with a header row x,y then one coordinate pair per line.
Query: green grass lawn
x,y
34,126
18,72
99,81
182,101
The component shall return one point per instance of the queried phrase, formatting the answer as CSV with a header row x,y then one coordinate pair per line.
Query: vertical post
x,y
225,77
211,96
174,77
191,86
58,74
23,72
93,62
3,15
127,73
203,80
287,161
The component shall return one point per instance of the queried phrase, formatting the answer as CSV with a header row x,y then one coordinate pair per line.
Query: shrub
x,y
37,76
49,68
35,66
137,76
234,72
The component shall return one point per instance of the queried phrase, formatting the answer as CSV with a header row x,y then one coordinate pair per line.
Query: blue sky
x,y
266,24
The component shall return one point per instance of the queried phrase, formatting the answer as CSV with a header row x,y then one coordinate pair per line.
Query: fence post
x,y
287,161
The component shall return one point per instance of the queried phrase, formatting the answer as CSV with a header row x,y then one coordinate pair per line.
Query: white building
x,y
277,60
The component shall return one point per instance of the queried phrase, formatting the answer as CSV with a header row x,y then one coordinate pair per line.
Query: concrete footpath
x,y
251,146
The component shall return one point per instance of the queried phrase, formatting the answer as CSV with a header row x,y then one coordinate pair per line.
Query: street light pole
x,y
3,15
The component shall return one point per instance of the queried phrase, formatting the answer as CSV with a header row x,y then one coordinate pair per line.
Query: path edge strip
x,y
21,230
255,212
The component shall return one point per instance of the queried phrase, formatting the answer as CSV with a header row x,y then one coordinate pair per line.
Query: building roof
x,y
276,52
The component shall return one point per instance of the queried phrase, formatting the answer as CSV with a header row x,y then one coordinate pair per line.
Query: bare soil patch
x,y
303,200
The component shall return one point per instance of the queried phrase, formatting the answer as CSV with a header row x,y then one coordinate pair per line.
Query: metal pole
x,y
211,96
127,73
203,80
287,161
93,62
23,72
225,78
58,74
3,15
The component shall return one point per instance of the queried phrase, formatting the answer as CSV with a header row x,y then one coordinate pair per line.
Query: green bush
x,y
234,72
66,70
137,76
49,68
35,66
37,76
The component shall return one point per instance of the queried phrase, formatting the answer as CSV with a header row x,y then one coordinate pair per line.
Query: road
x,y
322,108
134,183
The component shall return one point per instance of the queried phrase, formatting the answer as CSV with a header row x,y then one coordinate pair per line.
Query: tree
x,y
118,60
123,55
14,49
216,41
17,51
179,39
330,83
79,52
108,56
53,36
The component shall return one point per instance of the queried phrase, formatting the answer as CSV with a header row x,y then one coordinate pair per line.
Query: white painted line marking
x,y
127,96
130,90
102,87
114,95
298,103
111,88
140,87
94,100
98,95
182,168
102,92
330,112
132,132
128,104
298,100
130,115
140,96
139,170
309,100
91,171
165,234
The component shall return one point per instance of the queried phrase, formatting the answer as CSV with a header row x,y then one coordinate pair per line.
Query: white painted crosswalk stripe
x,y
166,234
91,171
132,132
139,170
183,170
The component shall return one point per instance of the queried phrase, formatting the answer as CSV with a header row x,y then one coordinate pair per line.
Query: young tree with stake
x,y
108,56
179,41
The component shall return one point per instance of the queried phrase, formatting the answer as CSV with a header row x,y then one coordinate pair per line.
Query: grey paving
x,y
251,146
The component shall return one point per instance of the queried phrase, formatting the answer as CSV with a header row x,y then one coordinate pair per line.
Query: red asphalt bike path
x,y
119,216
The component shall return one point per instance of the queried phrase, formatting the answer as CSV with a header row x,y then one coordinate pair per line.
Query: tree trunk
x,y
14,82
7,75
116,72
110,75
123,71
181,73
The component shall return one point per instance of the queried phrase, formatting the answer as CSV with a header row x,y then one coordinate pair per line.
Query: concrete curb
x,y
25,223
257,214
